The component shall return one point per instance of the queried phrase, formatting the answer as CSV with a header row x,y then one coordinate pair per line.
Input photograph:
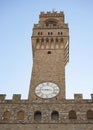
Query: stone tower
x,y
47,107
50,43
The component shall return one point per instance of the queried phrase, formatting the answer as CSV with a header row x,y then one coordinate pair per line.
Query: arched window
x,y
56,39
52,40
61,40
38,33
6,115
55,116
37,40
53,23
72,115
37,116
89,114
61,33
47,40
20,115
42,40
48,33
58,33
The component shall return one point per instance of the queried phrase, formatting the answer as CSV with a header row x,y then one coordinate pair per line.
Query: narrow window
x,y
61,33
58,33
89,114
51,33
49,52
38,33
47,40
37,116
37,40
52,40
20,115
55,116
56,39
42,40
6,115
72,115
61,39
48,33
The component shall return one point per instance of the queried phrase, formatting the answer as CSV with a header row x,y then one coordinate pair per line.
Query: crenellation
x,y
16,97
51,14
78,97
2,97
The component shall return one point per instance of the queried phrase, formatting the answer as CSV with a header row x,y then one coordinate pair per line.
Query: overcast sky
x,y
16,22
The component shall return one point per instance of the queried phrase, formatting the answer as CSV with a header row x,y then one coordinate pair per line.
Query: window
x,y
48,33
20,115
42,40
56,39
89,114
37,116
55,116
7,115
53,23
47,40
72,115
37,40
49,52
61,33
38,33
52,40
61,39
58,33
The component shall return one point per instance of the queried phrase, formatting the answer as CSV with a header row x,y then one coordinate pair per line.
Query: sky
x,y
16,23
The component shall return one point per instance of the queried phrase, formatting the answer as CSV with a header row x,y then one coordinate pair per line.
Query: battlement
x,y
43,26
16,98
51,14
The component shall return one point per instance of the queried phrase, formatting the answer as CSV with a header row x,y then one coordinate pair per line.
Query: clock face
x,y
47,90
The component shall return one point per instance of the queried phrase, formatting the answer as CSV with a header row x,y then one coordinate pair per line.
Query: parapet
x,y
2,97
16,98
52,14
78,97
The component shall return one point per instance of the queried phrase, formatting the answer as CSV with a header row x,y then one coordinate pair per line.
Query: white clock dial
x,y
47,90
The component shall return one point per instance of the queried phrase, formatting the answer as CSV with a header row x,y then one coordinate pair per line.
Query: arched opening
x,y
58,33
47,40
20,115
37,116
37,40
51,22
56,39
52,40
61,39
72,115
55,116
42,40
89,114
6,115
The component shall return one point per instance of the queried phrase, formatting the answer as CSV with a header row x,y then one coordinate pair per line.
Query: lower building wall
x,y
46,126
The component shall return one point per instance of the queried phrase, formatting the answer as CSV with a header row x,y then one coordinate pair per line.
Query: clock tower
x,y
46,107
50,44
